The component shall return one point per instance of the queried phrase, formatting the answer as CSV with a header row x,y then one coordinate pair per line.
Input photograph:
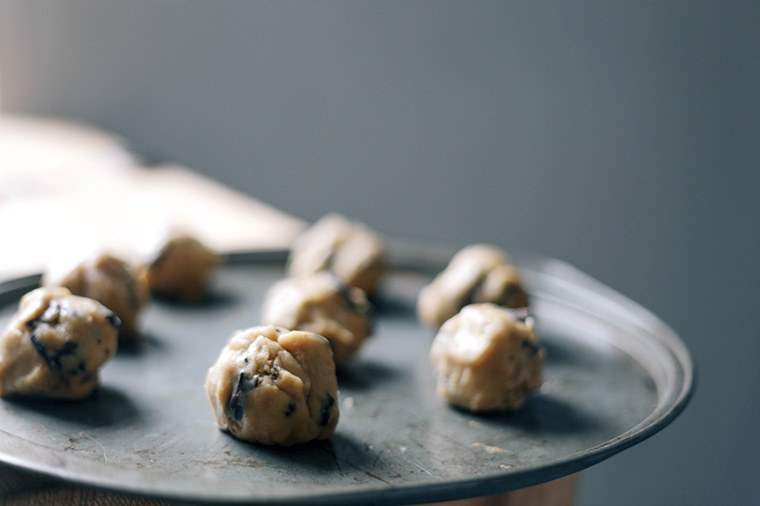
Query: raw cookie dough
x,y
113,283
486,359
322,304
349,250
55,345
182,269
271,385
478,273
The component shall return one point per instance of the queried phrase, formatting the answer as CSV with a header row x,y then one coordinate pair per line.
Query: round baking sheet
x,y
614,376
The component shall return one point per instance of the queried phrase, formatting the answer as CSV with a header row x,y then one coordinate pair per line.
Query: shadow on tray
x,y
386,304
366,374
143,344
543,414
342,452
216,298
106,407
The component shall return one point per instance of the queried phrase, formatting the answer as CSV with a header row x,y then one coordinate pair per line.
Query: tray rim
x,y
425,258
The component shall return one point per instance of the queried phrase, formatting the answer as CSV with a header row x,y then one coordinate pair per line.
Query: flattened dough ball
x,y
275,386
182,269
55,345
112,282
350,250
477,273
486,359
322,304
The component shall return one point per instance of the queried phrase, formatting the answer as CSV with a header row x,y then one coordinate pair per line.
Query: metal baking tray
x,y
614,376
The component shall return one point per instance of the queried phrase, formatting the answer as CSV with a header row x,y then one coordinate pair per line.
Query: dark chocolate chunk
x,y
53,360
51,316
326,411
242,386
236,399
345,293
114,320
290,409
531,346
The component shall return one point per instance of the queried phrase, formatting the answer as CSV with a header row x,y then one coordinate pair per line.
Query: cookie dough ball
x,y
113,283
275,386
322,304
487,359
350,250
55,345
478,273
182,269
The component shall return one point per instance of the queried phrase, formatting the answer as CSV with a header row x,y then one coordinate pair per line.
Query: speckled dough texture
x,y
112,282
477,273
182,269
275,386
486,359
322,304
55,345
350,250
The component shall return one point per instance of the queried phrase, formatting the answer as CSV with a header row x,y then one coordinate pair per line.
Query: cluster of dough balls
x,y
275,386
182,269
111,281
55,345
486,358
478,273
322,304
350,250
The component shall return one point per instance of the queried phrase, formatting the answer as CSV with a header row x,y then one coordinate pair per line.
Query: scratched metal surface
x,y
614,376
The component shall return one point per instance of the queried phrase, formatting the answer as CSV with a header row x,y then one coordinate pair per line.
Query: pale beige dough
x,y
55,345
111,281
350,250
182,269
477,273
274,386
322,304
487,359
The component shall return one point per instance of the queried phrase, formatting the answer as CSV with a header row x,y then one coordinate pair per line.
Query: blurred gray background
x,y
620,136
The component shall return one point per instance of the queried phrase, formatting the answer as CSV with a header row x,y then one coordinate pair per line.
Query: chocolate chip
x,y
236,399
531,346
324,414
290,409
51,316
345,293
53,360
114,320
242,386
